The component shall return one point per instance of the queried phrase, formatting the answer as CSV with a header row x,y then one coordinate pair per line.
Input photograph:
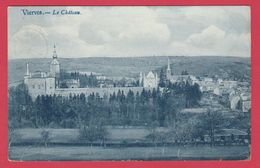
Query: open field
x,y
129,153
72,135
64,146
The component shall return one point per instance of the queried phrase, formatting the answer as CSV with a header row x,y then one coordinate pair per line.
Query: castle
x,y
42,83
47,83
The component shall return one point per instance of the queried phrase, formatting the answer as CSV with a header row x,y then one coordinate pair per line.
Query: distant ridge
x,y
226,67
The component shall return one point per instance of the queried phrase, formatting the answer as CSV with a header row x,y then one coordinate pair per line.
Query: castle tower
x,y
168,71
55,65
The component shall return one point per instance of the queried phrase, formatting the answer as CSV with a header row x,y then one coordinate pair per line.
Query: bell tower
x,y
55,65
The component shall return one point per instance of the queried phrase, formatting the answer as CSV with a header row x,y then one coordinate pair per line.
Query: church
x,y
179,78
47,83
150,80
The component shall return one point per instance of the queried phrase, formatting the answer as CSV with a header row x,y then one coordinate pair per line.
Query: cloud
x,y
208,38
133,31
149,33
29,41
206,15
214,41
129,26
93,36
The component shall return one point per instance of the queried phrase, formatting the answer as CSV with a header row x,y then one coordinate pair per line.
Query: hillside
x,y
226,67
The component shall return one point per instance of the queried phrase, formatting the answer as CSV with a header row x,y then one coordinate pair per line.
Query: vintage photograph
x,y
124,83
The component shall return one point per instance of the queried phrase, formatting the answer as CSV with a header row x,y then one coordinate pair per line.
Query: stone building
x,y
150,80
47,83
42,83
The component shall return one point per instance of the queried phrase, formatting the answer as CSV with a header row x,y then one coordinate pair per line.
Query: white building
x,y
150,80
246,102
234,100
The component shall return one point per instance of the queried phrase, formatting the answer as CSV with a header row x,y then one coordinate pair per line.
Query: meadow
x,y
58,150
129,153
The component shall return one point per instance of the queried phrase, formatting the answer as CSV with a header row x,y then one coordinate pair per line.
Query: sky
x,y
130,31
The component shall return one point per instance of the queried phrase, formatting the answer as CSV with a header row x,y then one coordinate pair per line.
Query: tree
x,y
153,136
193,94
94,131
19,106
182,132
45,135
185,72
13,136
211,121
63,85
162,80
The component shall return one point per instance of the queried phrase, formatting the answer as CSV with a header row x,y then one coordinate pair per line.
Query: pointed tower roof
x,y
54,57
54,52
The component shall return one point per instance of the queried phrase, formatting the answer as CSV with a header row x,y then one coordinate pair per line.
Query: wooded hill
x,y
225,67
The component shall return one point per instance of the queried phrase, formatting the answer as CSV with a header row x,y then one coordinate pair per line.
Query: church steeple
x,y
54,56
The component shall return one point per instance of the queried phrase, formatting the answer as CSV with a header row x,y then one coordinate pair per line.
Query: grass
x,y
133,153
74,152
71,135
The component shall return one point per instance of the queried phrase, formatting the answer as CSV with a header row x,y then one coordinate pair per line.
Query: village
x,y
155,108
236,93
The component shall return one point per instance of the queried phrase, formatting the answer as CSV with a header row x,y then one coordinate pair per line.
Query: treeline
x,y
85,80
140,109
92,81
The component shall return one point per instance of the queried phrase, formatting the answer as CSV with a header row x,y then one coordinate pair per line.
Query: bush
x,y
13,136
45,137
68,123
54,125
93,133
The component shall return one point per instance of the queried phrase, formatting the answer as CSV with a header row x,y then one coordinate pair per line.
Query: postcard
x,y
129,83
133,84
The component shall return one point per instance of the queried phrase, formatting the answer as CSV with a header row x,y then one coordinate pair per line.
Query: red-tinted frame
x,y
254,161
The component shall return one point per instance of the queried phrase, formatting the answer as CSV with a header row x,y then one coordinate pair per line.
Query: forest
x,y
117,109
148,109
